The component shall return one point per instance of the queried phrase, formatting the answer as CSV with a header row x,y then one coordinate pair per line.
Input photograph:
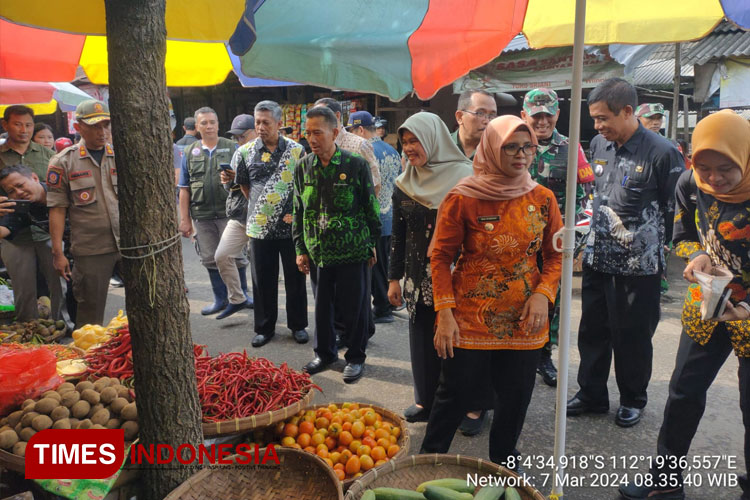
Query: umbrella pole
x,y
566,290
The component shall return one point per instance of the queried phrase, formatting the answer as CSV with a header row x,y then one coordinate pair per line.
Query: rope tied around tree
x,y
154,249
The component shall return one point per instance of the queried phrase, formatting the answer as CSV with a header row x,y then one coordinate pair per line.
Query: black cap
x,y
241,124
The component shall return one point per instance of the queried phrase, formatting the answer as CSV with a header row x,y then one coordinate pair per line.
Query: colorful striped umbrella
x,y
379,46
42,97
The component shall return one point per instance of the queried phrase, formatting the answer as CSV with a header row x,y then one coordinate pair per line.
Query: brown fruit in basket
x,y
83,385
27,408
80,409
46,405
95,409
26,433
114,382
18,428
8,439
70,398
5,427
84,424
113,423
124,392
131,430
14,418
118,404
108,395
59,413
101,383
27,403
63,423
98,426
91,396
19,449
73,422
101,417
41,423
130,412
52,394
26,420
65,387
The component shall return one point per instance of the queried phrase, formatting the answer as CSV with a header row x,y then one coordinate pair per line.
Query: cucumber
x,y
397,494
450,483
512,494
368,495
440,493
490,493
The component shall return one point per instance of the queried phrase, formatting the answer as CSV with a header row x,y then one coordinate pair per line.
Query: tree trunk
x,y
158,312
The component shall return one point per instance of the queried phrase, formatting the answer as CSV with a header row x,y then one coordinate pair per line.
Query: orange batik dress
x,y
497,269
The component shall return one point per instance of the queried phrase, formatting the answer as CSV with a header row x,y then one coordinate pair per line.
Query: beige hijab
x,y
488,181
446,164
728,133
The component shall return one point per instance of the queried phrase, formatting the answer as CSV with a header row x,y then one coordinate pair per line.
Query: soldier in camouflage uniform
x,y
549,168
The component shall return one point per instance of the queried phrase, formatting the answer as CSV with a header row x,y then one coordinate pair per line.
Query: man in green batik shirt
x,y
336,226
550,169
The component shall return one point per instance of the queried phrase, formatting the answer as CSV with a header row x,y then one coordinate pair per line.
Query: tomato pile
x,y
352,439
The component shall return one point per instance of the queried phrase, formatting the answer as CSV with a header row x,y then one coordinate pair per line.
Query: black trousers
x,y
619,315
380,303
264,267
694,372
425,363
513,374
345,290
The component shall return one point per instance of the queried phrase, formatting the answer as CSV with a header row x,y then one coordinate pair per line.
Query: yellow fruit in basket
x,y
396,431
317,438
288,441
354,445
358,428
335,457
370,417
366,462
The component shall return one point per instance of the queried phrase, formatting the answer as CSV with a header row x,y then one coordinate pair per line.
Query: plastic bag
x,y
6,298
25,374
714,291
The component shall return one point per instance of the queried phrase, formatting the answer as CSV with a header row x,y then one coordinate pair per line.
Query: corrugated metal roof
x,y
519,42
659,72
719,44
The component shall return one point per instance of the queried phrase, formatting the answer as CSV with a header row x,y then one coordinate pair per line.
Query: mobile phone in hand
x,y
22,206
225,167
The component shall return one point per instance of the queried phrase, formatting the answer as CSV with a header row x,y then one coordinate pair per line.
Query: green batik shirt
x,y
550,169
336,213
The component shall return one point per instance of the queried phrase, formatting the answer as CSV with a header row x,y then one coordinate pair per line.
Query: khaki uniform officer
x,y
82,180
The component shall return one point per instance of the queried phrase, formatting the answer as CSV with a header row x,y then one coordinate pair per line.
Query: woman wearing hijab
x,y
711,229
492,309
434,165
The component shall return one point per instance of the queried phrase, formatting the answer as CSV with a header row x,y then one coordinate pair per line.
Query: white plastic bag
x,y
715,294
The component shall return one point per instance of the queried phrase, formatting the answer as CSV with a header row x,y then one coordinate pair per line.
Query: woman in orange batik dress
x,y
493,308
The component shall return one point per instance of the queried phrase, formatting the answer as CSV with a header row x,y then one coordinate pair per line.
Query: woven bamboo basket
x,y
301,476
409,472
12,462
389,416
240,425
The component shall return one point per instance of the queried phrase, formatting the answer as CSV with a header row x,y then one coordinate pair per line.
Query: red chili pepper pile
x,y
114,358
232,385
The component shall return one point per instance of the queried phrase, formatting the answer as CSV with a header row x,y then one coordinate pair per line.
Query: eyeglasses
x,y
513,149
481,114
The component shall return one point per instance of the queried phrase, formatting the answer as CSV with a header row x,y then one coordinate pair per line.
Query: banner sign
x,y
529,69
